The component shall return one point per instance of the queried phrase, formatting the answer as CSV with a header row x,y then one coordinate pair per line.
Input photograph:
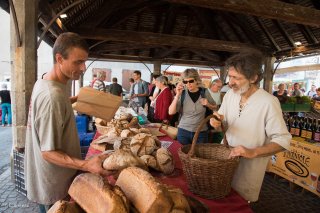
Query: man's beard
x,y
243,89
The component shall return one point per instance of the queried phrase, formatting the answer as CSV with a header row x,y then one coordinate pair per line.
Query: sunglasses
x,y
190,81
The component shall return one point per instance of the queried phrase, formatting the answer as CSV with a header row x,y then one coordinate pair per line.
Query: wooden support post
x,y
24,67
268,77
223,74
157,68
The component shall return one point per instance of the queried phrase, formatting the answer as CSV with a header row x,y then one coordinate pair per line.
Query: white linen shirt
x,y
259,123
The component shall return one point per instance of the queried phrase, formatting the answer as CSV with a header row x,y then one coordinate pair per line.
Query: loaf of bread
x,y
121,159
165,161
144,130
181,204
144,192
62,206
95,195
142,144
127,133
150,161
123,144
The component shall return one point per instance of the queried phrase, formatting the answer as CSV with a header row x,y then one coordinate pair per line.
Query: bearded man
x,y
253,119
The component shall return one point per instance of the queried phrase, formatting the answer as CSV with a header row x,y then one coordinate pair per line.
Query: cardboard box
x,y
97,103
299,165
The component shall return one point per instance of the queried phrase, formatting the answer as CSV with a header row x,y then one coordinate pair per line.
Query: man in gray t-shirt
x,y
52,152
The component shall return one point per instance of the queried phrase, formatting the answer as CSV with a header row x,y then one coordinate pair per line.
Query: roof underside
x,y
198,32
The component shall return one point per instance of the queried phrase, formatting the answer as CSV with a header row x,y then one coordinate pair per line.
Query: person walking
x,y
5,105
115,88
139,89
52,150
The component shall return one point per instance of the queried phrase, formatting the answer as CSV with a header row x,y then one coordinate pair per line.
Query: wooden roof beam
x,y
124,14
119,47
101,14
268,34
284,33
110,57
250,34
272,9
308,34
147,38
206,23
170,20
298,50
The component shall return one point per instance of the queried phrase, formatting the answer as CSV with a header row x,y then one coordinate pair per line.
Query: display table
x,y
300,164
232,203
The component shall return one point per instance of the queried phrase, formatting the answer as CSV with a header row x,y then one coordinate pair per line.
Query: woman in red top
x,y
162,101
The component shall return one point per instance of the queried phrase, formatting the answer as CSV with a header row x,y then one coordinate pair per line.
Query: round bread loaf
x,y
142,144
165,161
150,161
121,159
127,133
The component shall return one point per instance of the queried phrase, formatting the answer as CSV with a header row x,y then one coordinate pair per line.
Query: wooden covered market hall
x,y
242,150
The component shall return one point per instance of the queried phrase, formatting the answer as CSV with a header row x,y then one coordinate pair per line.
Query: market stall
x,y
232,203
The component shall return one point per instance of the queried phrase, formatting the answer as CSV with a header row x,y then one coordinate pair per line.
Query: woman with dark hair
x,y
281,94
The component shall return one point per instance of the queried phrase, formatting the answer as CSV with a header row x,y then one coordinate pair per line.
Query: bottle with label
x,y
292,127
318,184
317,132
298,127
304,128
310,129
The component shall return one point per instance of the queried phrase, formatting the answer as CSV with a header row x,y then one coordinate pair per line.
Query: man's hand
x,y
73,99
94,165
214,122
241,151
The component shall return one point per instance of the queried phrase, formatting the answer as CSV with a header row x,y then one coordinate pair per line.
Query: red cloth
x,y
163,102
232,203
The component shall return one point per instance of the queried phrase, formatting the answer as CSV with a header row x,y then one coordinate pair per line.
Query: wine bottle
x,y
304,128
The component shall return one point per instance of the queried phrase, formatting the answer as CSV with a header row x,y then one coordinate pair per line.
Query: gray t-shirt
x,y
51,126
192,113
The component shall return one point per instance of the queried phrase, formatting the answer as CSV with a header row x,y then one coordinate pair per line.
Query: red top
x,y
163,102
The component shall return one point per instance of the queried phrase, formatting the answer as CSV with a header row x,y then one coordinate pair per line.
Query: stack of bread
x,y
134,143
135,190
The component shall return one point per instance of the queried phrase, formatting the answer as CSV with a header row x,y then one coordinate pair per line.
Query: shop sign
x,y
299,165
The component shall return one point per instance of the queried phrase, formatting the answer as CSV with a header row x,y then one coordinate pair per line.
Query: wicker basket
x,y
207,168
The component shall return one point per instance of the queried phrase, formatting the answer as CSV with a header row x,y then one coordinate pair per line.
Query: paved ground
x,y
10,200
275,195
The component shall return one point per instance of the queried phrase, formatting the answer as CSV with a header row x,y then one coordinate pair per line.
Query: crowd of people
x,y
283,92
255,128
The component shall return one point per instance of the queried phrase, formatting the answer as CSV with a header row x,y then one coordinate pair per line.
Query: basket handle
x,y
196,135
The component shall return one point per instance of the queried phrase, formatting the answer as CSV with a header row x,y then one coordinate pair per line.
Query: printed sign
x,y
299,165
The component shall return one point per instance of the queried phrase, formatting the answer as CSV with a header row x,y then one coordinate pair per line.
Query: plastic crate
x,y
302,107
18,165
287,107
82,123
86,138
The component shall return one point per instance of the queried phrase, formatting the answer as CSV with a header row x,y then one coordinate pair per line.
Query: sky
x,y
4,45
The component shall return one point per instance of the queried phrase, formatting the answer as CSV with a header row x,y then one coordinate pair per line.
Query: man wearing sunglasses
x,y
191,102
